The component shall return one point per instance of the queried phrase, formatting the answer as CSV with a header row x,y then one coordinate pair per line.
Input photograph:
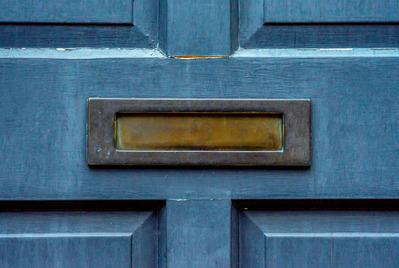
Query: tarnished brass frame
x,y
102,150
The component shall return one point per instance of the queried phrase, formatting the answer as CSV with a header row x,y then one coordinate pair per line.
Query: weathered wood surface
x,y
319,239
143,34
297,31
330,11
199,233
43,128
67,11
43,107
323,36
198,27
78,239
72,36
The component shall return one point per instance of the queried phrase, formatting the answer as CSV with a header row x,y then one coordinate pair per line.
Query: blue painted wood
x,y
146,17
329,250
234,25
78,239
70,251
323,36
251,245
319,239
144,34
250,20
71,11
305,250
162,238
354,125
73,36
144,243
287,11
43,127
369,250
255,32
198,233
198,27
234,237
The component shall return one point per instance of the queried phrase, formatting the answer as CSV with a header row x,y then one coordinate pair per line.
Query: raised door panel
x,y
79,24
78,239
318,24
71,11
47,250
332,249
286,11
319,239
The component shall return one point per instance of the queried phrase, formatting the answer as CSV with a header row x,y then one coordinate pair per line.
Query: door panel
x,y
288,11
354,125
55,55
75,11
79,24
70,251
323,36
319,239
79,239
70,37
318,24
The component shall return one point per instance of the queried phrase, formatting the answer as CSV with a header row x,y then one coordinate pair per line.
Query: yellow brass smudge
x,y
191,57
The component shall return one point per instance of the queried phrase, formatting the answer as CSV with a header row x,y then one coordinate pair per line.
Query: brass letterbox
x,y
218,132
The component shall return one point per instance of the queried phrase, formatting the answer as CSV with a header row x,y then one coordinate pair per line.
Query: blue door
x,y
342,211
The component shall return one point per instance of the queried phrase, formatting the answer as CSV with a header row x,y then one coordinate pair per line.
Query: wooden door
x,y
56,211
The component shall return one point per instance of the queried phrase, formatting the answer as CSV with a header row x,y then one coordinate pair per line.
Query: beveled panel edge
x,y
101,148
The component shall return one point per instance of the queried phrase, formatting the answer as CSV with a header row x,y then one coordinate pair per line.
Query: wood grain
x,y
143,34
330,11
198,27
43,103
319,239
198,233
71,11
78,239
68,36
323,36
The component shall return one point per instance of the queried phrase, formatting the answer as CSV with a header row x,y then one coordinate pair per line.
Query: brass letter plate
x,y
215,132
